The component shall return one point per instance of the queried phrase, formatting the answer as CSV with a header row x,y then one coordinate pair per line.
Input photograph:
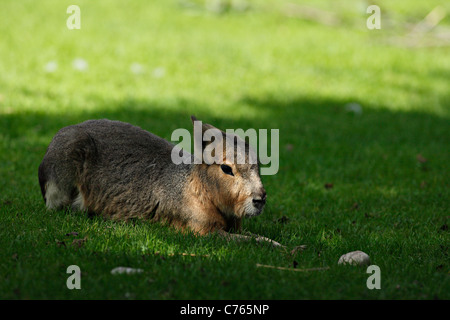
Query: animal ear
x,y
212,141
205,126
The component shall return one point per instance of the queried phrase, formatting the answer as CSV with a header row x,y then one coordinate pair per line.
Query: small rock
x,y
136,68
159,72
355,258
51,66
125,270
80,64
354,108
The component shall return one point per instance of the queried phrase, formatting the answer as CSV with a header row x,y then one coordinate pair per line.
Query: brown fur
x,y
121,172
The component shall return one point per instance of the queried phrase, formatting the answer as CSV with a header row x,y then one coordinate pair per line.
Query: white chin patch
x,y
251,210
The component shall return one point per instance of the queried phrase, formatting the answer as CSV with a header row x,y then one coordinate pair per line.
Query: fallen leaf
x,y
79,242
421,158
60,243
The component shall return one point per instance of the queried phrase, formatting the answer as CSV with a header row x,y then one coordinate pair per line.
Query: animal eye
x,y
227,169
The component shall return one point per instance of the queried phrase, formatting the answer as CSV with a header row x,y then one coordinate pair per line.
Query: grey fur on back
x,y
128,167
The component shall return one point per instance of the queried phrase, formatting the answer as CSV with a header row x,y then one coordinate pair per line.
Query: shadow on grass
x,y
320,140
322,121
369,157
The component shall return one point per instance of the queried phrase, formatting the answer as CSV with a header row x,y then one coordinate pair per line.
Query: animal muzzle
x,y
258,203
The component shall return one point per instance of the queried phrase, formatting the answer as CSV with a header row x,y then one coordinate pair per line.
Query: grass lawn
x,y
365,112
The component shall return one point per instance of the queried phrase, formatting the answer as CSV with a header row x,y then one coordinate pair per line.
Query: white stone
x,y
354,107
159,72
51,66
355,258
80,64
136,68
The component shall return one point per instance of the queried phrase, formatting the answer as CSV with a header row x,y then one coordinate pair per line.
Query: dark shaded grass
x,y
378,204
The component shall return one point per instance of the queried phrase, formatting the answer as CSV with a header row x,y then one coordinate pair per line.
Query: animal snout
x,y
260,200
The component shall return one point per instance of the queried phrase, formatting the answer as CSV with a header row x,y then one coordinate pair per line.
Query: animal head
x,y
231,172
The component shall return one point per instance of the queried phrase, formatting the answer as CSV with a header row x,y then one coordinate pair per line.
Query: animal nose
x,y
260,200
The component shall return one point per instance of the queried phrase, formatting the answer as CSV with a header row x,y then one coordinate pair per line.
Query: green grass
x,y
235,69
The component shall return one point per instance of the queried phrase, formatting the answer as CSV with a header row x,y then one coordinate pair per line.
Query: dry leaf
x,y
60,243
79,242
328,186
421,159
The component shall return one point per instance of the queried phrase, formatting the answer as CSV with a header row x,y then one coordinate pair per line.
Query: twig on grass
x,y
431,20
183,254
290,269
327,18
427,32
